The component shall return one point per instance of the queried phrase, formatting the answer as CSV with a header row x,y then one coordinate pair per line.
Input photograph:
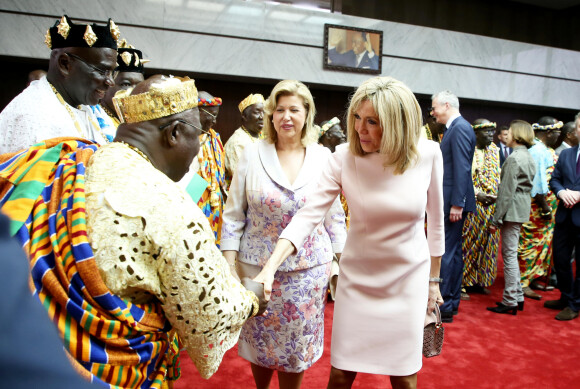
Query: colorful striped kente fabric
x,y
112,341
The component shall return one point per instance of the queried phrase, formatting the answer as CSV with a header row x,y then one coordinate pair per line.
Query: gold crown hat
x,y
167,97
250,100
65,33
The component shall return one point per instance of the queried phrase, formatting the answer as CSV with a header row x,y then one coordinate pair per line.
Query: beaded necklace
x,y
74,117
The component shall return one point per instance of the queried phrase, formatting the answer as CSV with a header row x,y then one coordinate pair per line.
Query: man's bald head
x,y
162,120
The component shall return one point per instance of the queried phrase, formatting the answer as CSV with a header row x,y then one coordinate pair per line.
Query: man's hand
x,y
569,197
368,45
455,213
486,199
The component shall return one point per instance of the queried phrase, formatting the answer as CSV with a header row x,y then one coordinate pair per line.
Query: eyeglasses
x,y
104,73
209,113
186,123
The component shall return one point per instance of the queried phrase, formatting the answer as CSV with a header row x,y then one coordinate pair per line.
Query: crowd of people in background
x,y
146,234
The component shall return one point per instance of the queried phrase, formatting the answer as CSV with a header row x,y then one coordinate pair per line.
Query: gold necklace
x,y
111,114
74,117
253,138
135,149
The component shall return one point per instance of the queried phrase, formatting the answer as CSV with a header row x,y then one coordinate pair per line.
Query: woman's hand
x,y
232,257
266,278
434,296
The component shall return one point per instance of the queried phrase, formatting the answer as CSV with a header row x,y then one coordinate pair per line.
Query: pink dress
x,y
382,291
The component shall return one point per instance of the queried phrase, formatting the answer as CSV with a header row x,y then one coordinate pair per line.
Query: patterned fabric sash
x,y
111,341
489,174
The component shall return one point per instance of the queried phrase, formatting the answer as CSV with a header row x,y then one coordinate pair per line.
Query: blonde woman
x,y
389,269
274,179
512,209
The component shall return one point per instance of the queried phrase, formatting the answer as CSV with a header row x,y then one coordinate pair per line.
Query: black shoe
x,y
555,304
520,305
477,289
447,317
504,309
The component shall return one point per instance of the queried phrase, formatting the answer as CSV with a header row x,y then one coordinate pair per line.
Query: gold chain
x,y
111,114
135,149
254,139
74,117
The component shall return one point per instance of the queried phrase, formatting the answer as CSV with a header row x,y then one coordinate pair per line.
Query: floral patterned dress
x,y
260,205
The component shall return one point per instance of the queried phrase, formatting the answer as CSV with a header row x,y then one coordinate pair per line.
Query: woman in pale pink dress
x,y
389,269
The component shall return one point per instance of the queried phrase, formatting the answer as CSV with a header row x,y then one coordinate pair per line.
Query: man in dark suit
x,y
361,56
31,355
457,147
504,150
565,183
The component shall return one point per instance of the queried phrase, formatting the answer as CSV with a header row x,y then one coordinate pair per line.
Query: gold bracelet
x,y
255,304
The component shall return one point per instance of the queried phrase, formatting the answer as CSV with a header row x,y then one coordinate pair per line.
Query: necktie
x,y
505,152
578,167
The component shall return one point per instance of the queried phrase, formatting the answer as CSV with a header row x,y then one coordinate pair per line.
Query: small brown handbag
x,y
433,334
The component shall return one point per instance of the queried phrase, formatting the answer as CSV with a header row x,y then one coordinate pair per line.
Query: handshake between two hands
x,y
262,286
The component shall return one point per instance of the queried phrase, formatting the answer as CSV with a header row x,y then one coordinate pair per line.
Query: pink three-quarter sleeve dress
x,y
382,292
261,203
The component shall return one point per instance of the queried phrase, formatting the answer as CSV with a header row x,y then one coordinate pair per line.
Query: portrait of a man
x,y
352,49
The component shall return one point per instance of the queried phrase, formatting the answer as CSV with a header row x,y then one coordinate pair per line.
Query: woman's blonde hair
x,y
400,118
522,132
290,88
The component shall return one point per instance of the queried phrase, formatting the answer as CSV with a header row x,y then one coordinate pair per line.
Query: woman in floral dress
x,y
274,179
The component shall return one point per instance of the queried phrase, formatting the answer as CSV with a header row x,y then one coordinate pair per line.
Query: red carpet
x,y
481,350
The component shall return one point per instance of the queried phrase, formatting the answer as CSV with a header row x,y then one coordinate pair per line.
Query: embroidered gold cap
x,y
168,96
65,33
326,126
250,100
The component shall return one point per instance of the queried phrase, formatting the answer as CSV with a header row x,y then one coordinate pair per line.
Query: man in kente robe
x,y
122,259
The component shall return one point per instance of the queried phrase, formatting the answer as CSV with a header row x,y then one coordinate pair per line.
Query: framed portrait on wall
x,y
353,49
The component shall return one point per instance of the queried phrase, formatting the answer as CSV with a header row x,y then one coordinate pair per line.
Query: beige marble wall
x,y
268,41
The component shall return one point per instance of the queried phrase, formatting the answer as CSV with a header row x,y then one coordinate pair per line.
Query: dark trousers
x,y
566,237
452,265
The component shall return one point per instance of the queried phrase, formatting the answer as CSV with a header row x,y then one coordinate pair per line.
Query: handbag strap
x,y
437,311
